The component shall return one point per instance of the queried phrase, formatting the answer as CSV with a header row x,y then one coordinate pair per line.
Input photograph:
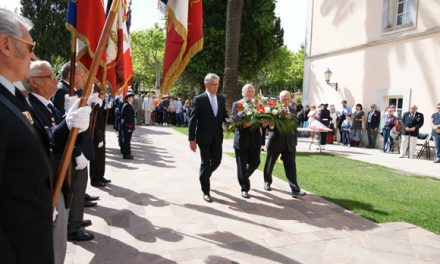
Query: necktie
x,y
55,113
214,104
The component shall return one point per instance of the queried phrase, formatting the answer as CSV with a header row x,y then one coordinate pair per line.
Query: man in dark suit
x,y
43,84
25,166
247,141
284,144
412,121
127,125
205,130
63,88
373,121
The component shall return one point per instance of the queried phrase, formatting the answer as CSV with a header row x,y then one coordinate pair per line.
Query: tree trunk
x,y
233,23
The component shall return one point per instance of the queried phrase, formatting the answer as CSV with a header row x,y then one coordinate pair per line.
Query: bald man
x,y
286,146
412,121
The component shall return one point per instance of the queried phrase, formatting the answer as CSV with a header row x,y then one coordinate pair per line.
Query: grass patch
x,y
184,130
374,192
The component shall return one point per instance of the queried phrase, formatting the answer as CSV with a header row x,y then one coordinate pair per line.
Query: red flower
x,y
272,103
260,109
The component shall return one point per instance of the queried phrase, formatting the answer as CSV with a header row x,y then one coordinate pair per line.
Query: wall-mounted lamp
x,y
328,76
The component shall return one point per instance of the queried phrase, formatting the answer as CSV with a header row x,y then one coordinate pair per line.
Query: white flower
x,y
245,105
246,109
249,113
275,112
267,109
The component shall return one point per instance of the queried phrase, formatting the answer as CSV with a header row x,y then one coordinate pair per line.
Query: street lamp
x,y
328,76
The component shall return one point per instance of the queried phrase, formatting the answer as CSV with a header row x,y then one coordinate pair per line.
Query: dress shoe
x,y
437,161
80,235
90,204
91,198
245,195
98,184
207,198
128,157
298,194
267,187
86,223
104,180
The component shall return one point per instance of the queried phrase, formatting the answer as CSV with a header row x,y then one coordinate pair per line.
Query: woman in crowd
x,y
389,122
358,121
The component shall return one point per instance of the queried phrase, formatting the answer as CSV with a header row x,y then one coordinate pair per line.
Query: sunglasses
x,y
30,45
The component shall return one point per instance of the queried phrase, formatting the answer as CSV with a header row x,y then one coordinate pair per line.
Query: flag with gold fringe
x,y
183,40
86,19
119,60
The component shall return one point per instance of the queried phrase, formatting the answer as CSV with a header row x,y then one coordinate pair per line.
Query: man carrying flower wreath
x,y
247,137
284,143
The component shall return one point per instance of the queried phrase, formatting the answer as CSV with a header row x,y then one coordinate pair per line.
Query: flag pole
x,y
67,154
72,64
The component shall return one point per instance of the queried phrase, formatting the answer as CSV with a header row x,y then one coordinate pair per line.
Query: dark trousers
x,y
126,142
247,162
372,135
323,139
289,167
387,140
97,166
76,214
263,137
211,155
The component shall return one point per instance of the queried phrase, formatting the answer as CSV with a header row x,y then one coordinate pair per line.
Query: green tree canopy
x,y
147,52
281,71
261,34
49,32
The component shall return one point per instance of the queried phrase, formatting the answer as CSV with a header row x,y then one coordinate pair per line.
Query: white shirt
x,y
42,100
213,101
6,83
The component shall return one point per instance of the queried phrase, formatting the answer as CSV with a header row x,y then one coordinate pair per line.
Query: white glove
x,y
108,105
78,118
94,99
69,101
55,214
81,162
101,144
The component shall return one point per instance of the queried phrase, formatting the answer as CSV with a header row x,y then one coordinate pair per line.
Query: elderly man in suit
x,y
247,141
373,121
43,84
26,170
412,121
284,144
205,130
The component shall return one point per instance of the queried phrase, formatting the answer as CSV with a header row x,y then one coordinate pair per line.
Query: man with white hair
x,y
412,121
25,167
42,84
247,143
284,144
205,130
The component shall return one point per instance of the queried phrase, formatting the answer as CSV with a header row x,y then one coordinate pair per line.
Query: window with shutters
x,y
399,14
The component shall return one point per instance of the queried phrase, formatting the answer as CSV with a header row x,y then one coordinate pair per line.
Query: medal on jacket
x,y
28,117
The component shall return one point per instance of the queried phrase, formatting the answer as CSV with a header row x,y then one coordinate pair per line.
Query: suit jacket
x,y
58,99
245,138
25,191
279,142
416,121
127,116
204,127
375,119
324,117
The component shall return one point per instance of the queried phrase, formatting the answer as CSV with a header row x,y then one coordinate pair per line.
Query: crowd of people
x,y
350,126
37,119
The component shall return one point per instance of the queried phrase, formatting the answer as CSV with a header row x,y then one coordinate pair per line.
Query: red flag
x,y
194,40
119,62
86,19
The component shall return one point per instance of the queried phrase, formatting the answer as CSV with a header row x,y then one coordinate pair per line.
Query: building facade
x,y
379,51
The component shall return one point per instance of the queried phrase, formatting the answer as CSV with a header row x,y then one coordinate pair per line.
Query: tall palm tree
x,y
233,23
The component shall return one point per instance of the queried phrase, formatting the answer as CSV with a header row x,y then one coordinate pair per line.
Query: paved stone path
x,y
153,212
